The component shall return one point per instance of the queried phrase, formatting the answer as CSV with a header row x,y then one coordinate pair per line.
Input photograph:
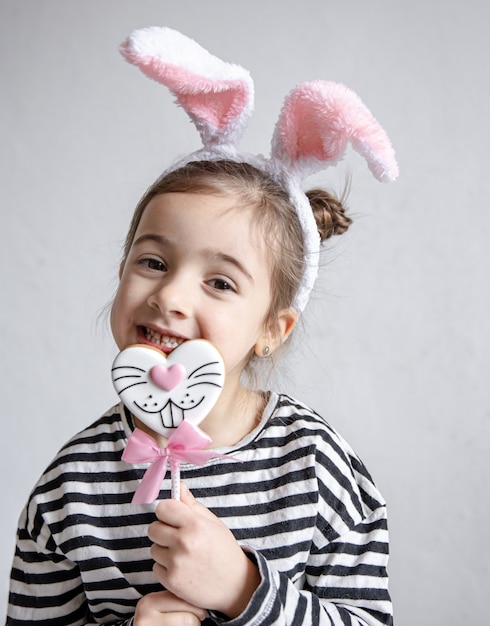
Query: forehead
x,y
199,217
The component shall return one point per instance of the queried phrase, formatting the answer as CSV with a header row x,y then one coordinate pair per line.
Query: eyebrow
x,y
151,237
226,258
208,253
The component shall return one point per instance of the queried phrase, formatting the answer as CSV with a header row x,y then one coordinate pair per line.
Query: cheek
x,y
120,312
127,295
115,318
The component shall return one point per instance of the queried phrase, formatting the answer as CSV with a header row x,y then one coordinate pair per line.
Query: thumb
x,y
187,498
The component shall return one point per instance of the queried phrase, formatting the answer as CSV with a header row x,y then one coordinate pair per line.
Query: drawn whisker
x,y
127,376
201,367
204,382
128,367
208,374
133,385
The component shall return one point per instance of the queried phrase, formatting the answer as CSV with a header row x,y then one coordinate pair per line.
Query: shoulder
x,y
83,486
300,421
106,434
91,451
339,469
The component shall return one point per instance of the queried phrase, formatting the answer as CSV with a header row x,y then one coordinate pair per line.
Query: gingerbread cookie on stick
x,y
171,395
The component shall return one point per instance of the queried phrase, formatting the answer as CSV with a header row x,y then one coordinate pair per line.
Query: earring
x,y
266,351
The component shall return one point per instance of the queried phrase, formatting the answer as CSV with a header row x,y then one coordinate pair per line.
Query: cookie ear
x,y
317,121
217,96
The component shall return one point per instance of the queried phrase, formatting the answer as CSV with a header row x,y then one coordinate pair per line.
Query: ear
x,y
276,333
218,96
318,120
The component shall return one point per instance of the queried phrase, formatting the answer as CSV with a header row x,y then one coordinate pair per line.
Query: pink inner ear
x,y
214,101
325,144
319,118
217,109
311,130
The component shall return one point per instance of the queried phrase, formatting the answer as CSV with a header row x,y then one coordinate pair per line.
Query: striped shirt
x,y
300,503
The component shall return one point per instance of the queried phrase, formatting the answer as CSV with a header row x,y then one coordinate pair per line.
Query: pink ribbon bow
x,y
187,443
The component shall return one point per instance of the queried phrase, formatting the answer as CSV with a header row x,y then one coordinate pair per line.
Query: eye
x,y
221,284
153,264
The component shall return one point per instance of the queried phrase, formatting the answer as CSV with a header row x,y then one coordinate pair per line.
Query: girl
x,y
295,533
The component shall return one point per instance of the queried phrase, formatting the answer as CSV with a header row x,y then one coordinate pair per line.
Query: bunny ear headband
x,y
316,122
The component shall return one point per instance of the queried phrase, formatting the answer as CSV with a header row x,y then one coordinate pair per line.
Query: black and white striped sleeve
x,y
345,579
349,587
46,587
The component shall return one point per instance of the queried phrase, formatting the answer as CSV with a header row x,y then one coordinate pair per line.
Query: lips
x,y
166,342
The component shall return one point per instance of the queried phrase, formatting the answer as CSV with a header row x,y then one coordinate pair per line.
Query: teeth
x,y
162,340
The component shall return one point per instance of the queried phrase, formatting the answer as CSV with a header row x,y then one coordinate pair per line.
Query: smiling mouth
x,y
167,342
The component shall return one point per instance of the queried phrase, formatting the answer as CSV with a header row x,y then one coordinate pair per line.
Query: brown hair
x,y
329,213
274,215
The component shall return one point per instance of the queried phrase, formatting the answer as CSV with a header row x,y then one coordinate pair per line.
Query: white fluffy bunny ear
x,y
218,96
317,121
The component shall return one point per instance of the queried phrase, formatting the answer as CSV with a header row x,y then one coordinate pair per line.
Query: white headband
x,y
316,122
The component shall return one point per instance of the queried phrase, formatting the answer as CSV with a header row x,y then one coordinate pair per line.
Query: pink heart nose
x,y
167,378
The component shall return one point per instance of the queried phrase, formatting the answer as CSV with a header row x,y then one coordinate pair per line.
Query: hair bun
x,y
329,213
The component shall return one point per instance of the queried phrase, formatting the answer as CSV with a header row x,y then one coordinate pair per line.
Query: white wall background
x,y
396,351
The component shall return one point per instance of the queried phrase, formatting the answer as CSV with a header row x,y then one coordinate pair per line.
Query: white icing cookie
x,y
162,391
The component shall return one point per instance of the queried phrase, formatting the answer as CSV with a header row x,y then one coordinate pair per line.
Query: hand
x,y
198,558
164,609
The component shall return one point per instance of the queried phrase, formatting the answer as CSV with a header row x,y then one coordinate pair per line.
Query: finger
x,y
160,556
168,619
161,574
162,534
177,513
187,498
166,602
173,604
172,512
173,521
186,495
178,619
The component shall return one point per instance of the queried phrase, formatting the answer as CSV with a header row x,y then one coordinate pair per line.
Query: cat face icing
x,y
163,391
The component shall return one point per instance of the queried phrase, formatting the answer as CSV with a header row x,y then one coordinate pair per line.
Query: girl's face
x,y
196,269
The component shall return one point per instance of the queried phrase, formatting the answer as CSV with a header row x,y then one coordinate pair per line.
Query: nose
x,y
173,298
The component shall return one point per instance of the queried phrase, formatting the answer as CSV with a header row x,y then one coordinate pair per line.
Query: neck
x,y
235,415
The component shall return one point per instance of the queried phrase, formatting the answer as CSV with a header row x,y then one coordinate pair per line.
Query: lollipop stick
x,y
175,478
